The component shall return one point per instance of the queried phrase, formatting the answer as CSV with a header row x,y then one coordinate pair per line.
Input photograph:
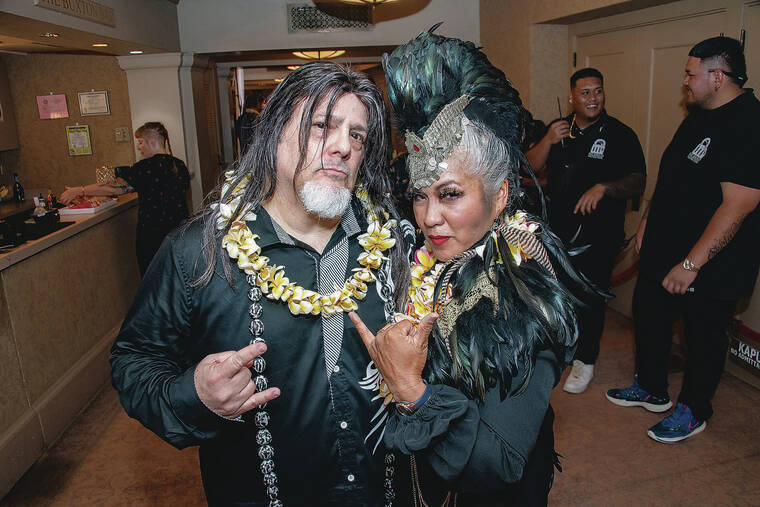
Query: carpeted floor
x,y
106,459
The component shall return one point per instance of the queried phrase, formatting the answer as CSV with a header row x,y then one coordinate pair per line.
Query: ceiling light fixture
x,y
100,45
49,35
321,54
368,2
135,52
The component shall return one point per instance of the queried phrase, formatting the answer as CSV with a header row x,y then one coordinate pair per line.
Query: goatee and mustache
x,y
325,200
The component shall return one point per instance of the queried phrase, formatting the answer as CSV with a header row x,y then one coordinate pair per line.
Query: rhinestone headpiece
x,y
427,155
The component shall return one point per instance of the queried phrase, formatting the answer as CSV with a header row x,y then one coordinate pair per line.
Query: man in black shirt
x,y
595,163
698,243
238,340
245,123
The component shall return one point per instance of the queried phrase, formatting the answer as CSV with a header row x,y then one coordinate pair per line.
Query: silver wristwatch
x,y
689,266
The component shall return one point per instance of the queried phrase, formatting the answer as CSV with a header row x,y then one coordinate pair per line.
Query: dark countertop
x,y
81,222
11,208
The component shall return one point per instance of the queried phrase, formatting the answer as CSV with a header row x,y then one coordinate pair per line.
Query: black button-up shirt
x,y
329,418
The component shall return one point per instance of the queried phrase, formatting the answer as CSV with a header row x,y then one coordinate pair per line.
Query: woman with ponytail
x,y
161,181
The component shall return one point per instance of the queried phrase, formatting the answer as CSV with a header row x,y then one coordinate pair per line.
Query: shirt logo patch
x,y
699,152
597,149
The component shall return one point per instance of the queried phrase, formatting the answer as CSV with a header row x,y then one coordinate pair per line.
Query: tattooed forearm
x,y
724,240
630,185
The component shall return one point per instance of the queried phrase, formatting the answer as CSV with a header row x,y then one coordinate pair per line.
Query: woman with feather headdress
x,y
489,325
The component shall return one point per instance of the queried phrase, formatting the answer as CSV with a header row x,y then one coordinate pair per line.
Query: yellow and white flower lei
x,y
240,244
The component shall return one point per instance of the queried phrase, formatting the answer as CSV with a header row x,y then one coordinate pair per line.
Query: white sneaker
x,y
579,377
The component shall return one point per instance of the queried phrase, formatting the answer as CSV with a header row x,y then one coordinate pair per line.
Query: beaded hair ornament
x,y
427,155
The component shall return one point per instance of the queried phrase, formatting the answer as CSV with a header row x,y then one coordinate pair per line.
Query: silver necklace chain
x,y
261,417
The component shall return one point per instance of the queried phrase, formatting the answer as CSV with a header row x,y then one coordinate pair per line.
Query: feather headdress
x,y
431,74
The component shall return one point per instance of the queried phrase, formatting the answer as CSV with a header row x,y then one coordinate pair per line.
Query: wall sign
x,y
78,140
52,106
91,103
84,9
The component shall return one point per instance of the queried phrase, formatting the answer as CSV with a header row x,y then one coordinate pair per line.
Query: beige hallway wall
x,y
528,40
42,160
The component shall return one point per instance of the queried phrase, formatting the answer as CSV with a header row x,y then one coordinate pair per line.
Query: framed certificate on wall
x,y
78,140
92,103
52,106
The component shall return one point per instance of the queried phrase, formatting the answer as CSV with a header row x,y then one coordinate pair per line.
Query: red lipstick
x,y
438,240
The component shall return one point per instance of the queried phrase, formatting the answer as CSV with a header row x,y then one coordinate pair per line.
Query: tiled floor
x,y
105,458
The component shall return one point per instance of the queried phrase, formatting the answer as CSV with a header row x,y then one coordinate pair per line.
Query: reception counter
x,y
62,299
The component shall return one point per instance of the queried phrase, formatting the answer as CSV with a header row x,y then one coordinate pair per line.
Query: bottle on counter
x,y
39,208
18,190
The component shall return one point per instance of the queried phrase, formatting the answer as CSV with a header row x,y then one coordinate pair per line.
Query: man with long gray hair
x,y
239,340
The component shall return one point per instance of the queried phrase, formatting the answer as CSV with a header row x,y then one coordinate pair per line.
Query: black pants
x,y
706,321
147,242
596,263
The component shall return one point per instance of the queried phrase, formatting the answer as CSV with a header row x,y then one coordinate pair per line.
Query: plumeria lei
x,y
240,243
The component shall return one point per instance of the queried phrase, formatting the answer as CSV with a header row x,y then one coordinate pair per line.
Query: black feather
x,y
430,71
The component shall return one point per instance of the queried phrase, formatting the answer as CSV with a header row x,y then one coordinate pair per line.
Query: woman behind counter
x,y
471,388
161,181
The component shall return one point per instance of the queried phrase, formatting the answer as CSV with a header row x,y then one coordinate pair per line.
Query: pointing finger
x,y
366,334
238,360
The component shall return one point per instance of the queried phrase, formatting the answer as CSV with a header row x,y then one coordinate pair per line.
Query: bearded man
x,y
698,241
239,340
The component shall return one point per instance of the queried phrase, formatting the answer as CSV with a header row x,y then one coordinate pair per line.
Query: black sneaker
x,y
635,396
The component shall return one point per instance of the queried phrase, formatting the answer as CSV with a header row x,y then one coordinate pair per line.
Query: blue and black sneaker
x,y
635,396
679,425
